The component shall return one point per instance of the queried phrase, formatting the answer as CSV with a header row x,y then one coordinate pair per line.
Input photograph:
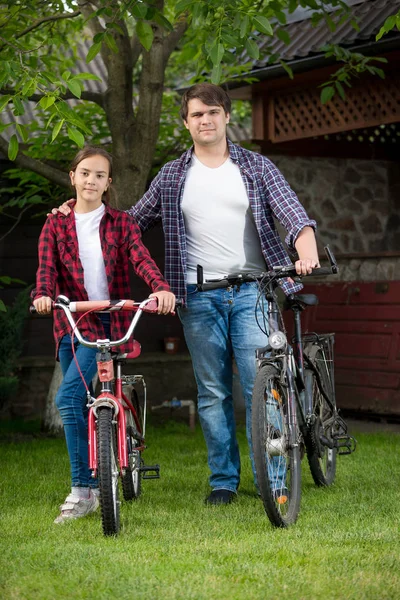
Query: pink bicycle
x,y
117,419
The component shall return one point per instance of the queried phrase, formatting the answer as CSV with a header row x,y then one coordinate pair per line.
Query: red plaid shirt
x,y
60,269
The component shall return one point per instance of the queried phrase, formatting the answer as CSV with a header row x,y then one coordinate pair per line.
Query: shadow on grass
x,y
20,430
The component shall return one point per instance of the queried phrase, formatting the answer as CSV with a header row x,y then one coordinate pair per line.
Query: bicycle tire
x,y
132,480
108,471
321,458
277,463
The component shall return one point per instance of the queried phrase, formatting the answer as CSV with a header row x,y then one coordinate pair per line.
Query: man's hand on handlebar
x,y
305,266
64,209
166,302
43,305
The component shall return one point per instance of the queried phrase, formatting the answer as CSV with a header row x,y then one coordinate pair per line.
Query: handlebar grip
x,y
214,285
321,271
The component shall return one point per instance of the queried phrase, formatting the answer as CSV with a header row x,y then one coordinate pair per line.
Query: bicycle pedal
x,y
150,472
345,444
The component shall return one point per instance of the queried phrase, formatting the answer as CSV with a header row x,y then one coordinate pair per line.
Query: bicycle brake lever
x,y
332,259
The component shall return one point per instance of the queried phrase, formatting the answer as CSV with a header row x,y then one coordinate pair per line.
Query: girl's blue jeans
x,y
71,401
219,325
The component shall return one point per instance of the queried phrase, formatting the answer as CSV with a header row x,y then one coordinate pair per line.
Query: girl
x,y
85,257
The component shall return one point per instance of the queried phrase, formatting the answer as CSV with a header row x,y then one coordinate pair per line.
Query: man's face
x,y
206,124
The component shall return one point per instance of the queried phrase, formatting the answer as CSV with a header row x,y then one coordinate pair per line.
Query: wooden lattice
x,y
297,114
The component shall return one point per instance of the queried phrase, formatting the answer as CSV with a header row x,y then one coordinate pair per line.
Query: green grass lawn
x,y
345,544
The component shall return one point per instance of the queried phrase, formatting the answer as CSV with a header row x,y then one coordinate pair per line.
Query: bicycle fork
x,y
105,368
288,438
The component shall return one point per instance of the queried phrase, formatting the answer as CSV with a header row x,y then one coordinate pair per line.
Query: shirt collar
x,y
233,152
108,209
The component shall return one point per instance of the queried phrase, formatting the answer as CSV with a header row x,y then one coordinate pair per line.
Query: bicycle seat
x,y
134,353
300,301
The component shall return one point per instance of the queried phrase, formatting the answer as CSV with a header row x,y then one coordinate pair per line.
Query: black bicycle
x,y
293,407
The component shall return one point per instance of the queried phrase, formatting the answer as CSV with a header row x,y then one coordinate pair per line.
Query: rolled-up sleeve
x,y
285,205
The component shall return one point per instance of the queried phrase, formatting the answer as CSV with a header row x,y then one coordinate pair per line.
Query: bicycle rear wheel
x,y
132,480
277,461
108,471
321,457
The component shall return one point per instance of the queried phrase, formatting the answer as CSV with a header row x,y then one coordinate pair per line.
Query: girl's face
x,y
91,179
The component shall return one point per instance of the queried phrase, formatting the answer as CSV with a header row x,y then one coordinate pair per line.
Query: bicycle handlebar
x,y
148,305
102,305
278,272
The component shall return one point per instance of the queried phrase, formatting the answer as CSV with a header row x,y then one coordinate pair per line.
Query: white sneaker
x,y
75,507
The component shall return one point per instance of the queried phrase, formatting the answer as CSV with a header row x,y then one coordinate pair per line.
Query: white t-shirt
x,y
90,253
221,234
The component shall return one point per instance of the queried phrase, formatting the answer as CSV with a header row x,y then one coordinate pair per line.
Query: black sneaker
x,y
220,497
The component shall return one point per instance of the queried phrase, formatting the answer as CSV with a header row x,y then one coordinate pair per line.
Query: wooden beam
x,y
330,149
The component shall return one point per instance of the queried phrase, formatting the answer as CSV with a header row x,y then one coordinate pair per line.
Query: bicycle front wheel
x,y
108,471
276,458
321,457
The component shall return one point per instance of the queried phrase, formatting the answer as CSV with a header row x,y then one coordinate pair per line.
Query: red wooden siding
x,y
366,320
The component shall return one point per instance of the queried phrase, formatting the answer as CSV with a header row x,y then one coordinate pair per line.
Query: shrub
x,y
12,323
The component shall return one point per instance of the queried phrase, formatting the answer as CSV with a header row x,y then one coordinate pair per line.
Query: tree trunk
x,y
52,421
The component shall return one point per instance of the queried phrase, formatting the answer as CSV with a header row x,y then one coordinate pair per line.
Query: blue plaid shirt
x,y
269,196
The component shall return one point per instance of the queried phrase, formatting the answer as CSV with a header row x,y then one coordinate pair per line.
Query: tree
x,y
144,44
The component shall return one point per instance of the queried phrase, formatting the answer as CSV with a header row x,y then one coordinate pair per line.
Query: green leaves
x,y
47,101
390,23
76,136
327,94
252,49
74,87
354,64
23,132
111,43
145,34
13,147
4,100
216,74
263,25
93,51
57,129
216,53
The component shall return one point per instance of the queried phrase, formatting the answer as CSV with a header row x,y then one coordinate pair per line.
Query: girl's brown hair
x,y
109,196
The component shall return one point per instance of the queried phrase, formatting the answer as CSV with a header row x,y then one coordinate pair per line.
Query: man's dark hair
x,y
210,94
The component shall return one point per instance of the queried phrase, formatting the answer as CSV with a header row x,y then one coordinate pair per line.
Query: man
x,y
217,203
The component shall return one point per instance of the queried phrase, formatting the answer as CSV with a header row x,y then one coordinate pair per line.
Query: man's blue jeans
x,y
71,401
218,325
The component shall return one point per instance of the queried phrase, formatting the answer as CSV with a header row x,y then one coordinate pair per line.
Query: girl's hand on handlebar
x,y
43,305
305,266
166,302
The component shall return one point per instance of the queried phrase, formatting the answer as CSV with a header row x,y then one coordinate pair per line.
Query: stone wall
x,y
356,204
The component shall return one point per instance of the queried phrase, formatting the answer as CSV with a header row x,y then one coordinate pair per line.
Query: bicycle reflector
x,y
277,340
